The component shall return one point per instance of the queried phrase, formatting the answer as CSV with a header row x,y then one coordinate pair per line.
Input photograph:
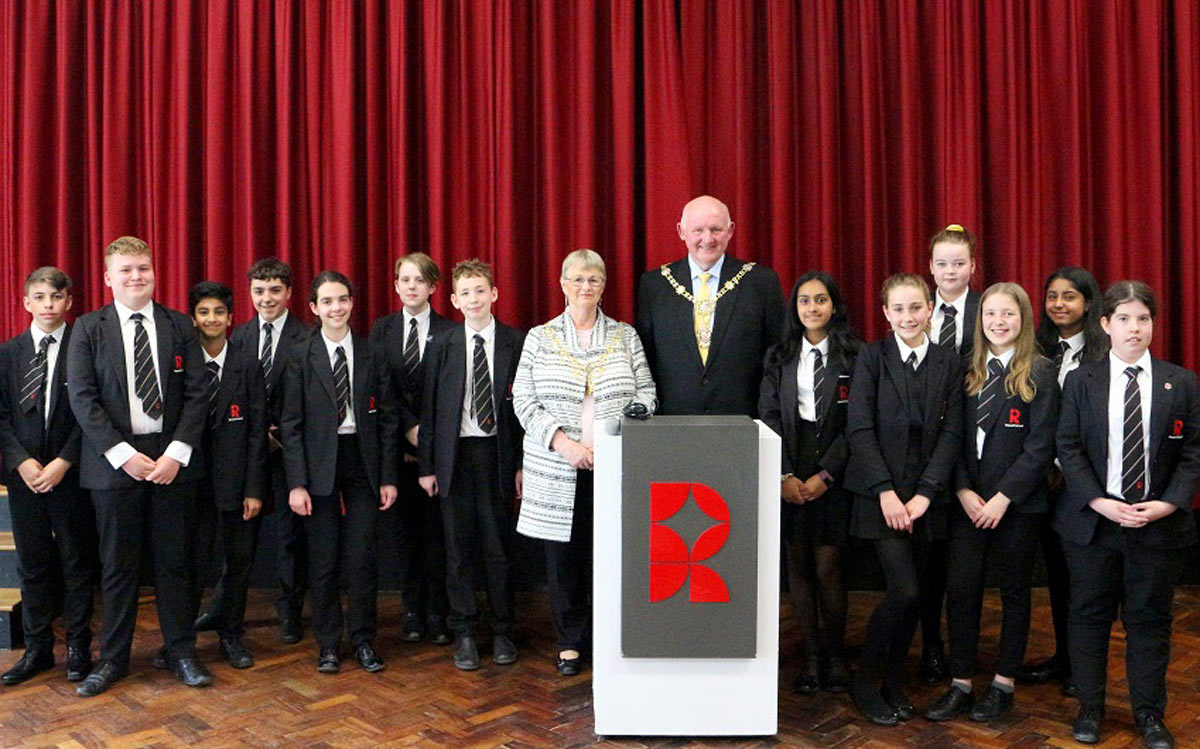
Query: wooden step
x,y
9,598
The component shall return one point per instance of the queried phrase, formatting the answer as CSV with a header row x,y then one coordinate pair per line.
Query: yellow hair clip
x,y
955,227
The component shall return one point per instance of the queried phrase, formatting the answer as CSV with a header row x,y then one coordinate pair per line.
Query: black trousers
x,y
905,561
1058,585
55,534
569,573
478,527
236,539
1110,573
341,541
1012,544
933,592
291,542
421,540
166,514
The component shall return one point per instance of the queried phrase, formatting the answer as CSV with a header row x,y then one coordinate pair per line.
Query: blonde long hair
x,y
1020,369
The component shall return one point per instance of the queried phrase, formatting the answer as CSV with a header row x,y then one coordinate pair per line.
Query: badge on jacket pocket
x,y
1176,430
843,389
235,412
1014,419
178,364
371,405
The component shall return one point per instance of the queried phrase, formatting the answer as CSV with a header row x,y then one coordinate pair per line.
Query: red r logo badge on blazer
x,y
178,363
235,412
1177,429
1014,416
371,404
843,393
671,562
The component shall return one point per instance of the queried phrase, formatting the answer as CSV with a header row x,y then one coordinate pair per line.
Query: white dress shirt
x,y
806,396
219,359
935,324
905,350
1070,360
1116,418
139,422
422,329
470,427
348,425
51,359
714,277
980,435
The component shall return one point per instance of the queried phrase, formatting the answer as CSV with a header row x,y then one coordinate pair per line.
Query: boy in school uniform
x,y
235,444
52,518
404,337
339,430
135,375
272,334
469,451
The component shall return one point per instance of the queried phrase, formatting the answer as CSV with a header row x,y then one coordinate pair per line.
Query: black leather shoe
x,y
328,662
1050,669
933,666
1155,735
901,704
191,672
995,703
837,676
568,666
414,628
808,681
160,660
206,622
868,699
504,652
79,662
290,630
368,659
951,704
234,651
100,679
466,654
436,627
1086,729
32,662
1068,687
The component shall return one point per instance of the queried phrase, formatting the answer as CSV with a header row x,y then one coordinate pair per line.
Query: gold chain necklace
x,y
579,367
711,304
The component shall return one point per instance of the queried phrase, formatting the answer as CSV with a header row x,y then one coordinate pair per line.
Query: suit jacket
x,y
1019,450
99,392
1174,452
445,388
969,318
236,440
309,423
747,321
877,422
293,333
25,435
389,336
777,404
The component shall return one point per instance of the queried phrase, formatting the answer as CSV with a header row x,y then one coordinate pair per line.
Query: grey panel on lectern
x,y
689,554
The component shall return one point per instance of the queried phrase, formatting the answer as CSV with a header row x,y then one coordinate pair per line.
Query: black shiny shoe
x,y
901,704
996,703
1155,734
466,654
413,628
33,662
868,699
206,622
953,703
504,651
438,634
569,666
161,662
933,669
368,659
328,661
191,672
1086,728
79,662
290,630
100,679
1053,668
837,676
808,681
234,651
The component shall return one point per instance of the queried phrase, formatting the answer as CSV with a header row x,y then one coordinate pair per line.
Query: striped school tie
x,y
35,377
1133,464
145,379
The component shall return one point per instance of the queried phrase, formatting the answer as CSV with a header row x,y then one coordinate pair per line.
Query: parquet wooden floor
x,y
421,700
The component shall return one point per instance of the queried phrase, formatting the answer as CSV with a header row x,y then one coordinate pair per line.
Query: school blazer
x,y
441,415
1174,452
970,313
1019,450
308,425
237,437
293,333
877,420
29,435
389,336
777,403
748,320
99,392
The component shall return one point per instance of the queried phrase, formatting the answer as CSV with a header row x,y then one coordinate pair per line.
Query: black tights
x,y
818,595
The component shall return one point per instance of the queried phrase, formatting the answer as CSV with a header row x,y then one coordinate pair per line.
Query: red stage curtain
x,y
843,134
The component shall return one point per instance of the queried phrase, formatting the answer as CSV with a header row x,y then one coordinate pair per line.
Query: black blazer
x,y
99,392
25,435
308,426
970,313
293,333
777,402
1174,452
748,321
877,421
237,438
1019,450
388,335
445,388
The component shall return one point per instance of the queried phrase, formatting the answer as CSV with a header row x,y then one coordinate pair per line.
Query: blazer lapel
x,y
1096,429
166,352
725,307
456,373
60,369
230,382
503,353
318,359
829,390
934,384
894,366
362,371
114,345
1162,397
788,393
680,272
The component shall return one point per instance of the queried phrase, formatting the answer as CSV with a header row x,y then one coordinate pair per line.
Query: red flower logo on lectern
x,y
671,563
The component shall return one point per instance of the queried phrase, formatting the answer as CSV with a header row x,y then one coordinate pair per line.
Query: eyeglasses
x,y
580,281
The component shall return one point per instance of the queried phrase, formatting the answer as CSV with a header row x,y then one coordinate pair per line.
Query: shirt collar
x,y
1117,365
714,271
276,324
905,349
346,343
806,346
488,333
1075,342
959,305
1004,358
219,358
38,334
421,318
123,312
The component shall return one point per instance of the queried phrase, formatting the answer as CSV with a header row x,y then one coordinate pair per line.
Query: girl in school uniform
x,y
1069,334
1010,412
804,398
904,428
1129,445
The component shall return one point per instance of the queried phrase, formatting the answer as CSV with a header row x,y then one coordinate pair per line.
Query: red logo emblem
x,y
178,362
1177,429
235,411
671,562
843,392
1014,416
371,403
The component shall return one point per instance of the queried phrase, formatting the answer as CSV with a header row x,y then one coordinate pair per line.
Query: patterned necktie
x,y
1133,464
989,398
267,359
145,379
912,360
213,375
818,382
35,377
703,312
949,327
341,383
412,353
1061,354
485,415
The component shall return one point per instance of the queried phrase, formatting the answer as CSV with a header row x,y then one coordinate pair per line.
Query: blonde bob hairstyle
x,y
1025,352
586,259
